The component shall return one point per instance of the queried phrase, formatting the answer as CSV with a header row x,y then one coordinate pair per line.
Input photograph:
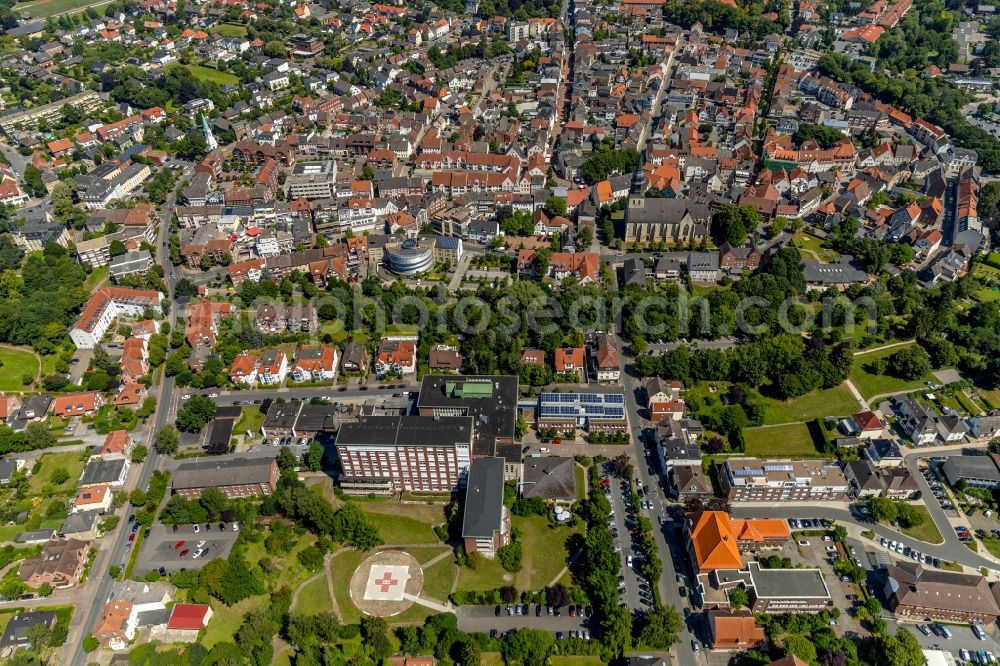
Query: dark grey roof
x,y
407,431
843,271
549,478
484,498
35,536
79,522
495,415
103,471
785,583
7,469
16,633
214,472
317,418
219,435
282,415
153,618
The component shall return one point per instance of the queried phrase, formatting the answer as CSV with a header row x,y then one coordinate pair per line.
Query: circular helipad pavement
x,y
386,583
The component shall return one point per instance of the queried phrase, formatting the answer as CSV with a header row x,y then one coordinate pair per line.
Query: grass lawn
x,y
576,660
925,531
46,8
252,419
986,295
284,658
425,554
70,461
438,579
229,30
491,659
993,545
405,523
992,397
968,405
15,364
869,384
226,619
341,569
314,597
837,401
210,75
581,483
96,277
809,242
788,441
335,329
544,551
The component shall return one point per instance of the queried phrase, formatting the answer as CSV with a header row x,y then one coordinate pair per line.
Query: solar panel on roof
x,y
616,398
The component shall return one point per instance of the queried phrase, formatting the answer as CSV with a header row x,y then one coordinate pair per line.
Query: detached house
x,y
315,364
60,564
607,363
397,355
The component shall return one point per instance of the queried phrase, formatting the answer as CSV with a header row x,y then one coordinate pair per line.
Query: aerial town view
x,y
499,333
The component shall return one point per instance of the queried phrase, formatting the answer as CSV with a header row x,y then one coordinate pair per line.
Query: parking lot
x,y
486,620
938,487
962,639
633,590
163,548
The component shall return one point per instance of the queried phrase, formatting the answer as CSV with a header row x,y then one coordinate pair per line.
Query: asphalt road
x,y
99,589
951,549
622,518
671,555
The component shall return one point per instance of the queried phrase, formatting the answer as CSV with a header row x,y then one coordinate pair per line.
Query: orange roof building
x,y
717,541
734,630
570,359
711,542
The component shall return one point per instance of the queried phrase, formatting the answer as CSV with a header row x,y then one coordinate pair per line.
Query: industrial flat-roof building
x,y
591,411
491,401
405,453
775,590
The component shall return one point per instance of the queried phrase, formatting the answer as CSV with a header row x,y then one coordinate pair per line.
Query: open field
x,y
229,30
251,419
70,461
811,243
544,557
46,8
341,569
438,579
927,530
870,384
576,660
14,364
210,75
815,404
787,441
314,597
400,524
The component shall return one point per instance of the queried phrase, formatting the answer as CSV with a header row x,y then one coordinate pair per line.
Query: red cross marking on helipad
x,y
386,581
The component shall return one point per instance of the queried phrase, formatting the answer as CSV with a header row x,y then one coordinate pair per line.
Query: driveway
x,y
160,547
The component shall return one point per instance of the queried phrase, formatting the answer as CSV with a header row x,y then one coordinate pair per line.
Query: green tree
x,y
139,453
214,502
801,647
660,629
901,649
315,456
375,632
33,183
196,413
167,439
531,647
909,363
117,248
555,206
738,598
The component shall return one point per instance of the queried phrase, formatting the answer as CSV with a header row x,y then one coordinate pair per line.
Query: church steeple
x,y
210,140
